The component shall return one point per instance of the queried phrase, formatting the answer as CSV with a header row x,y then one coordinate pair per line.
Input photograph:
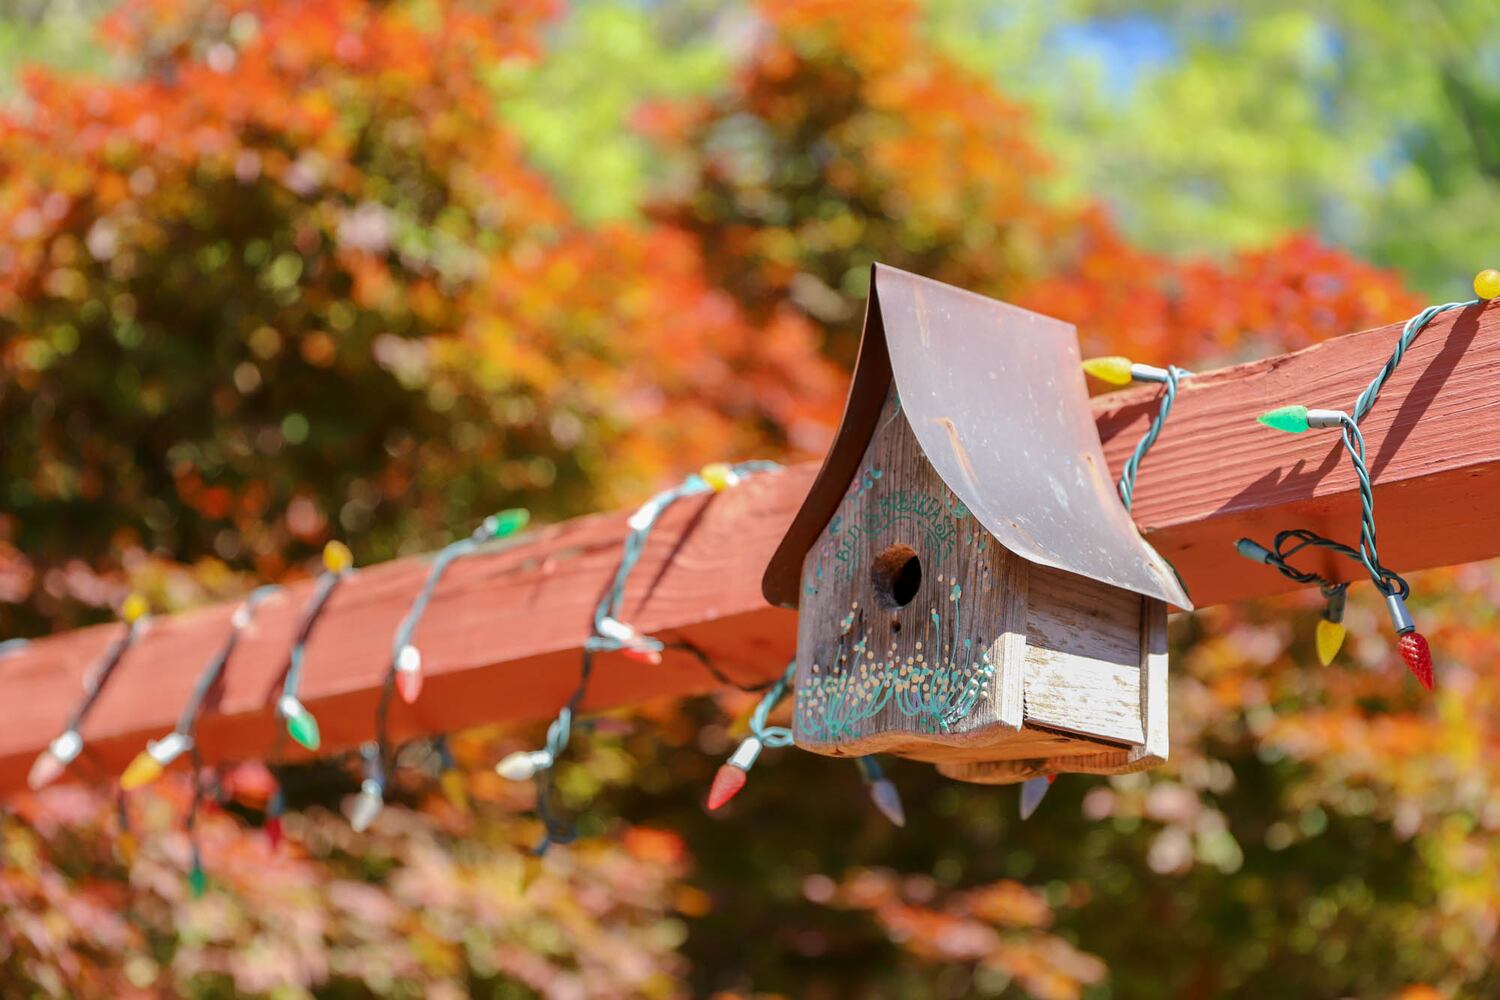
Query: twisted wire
x,y
1354,440
773,736
328,582
408,625
187,722
1153,431
1288,543
609,634
1409,332
99,674
1387,581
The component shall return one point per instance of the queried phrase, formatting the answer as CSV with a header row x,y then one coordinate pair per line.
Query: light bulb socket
x,y
169,747
1401,621
374,765
1147,373
746,753
1322,419
613,628
288,707
1253,550
1338,598
409,659
66,748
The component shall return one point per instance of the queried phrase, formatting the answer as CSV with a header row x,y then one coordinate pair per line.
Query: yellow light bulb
x,y
452,783
1487,284
337,557
125,845
1329,638
134,608
141,772
718,476
1112,369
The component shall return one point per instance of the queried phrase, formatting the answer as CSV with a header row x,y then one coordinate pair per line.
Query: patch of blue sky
x,y
1127,47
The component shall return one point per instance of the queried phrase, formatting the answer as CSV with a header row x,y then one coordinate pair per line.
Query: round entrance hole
x,y
897,575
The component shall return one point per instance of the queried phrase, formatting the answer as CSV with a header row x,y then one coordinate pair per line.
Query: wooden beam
x,y
1215,475
501,638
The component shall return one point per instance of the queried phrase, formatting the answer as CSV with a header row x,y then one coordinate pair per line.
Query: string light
x,y
1033,790
1487,284
65,748
301,725
197,877
523,765
883,792
125,844
405,672
733,773
370,801
1298,419
1117,370
1330,631
613,634
149,764
1329,635
275,807
450,778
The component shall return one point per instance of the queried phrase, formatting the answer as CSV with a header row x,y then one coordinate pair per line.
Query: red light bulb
x,y
1417,656
727,784
409,685
647,656
273,831
409,673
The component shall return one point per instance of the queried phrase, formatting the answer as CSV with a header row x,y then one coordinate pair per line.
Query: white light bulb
x,y
367,805
523,764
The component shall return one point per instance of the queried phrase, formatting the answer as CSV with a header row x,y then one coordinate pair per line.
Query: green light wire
x,y
1153,431
605,622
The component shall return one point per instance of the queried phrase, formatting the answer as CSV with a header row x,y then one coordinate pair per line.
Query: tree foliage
x,y
296,273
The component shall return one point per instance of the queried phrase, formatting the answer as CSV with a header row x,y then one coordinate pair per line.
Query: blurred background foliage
x,y
274,272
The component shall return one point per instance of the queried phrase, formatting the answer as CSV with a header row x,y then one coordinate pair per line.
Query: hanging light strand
x,y
1169,379
65,748
610,634
300,723
1297,419
149,764
734,772
404,676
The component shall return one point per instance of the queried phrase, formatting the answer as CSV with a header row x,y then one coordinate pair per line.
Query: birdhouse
x,y
972,591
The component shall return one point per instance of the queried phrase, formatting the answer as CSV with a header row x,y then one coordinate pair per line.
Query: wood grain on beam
x,y
500,640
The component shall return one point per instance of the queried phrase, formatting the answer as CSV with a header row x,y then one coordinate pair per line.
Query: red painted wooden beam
x,y
1432,445
500,640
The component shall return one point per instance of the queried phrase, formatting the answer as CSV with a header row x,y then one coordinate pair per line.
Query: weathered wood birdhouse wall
x,y
972,593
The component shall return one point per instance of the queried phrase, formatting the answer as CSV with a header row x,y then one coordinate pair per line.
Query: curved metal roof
x,y
996,397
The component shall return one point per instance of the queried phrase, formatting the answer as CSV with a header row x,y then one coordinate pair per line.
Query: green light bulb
x,y
1292,419
197,881
302,727
508,522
